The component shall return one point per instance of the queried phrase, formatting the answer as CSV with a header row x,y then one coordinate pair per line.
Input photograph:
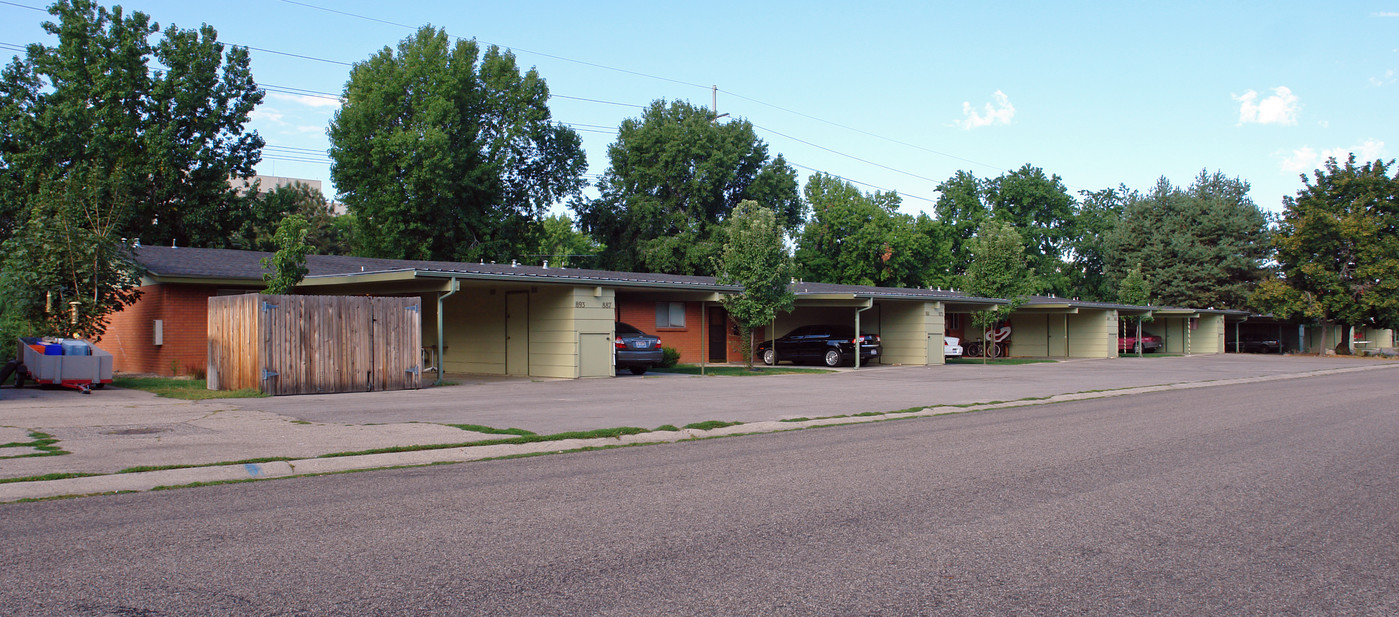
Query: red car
x,y
1150,342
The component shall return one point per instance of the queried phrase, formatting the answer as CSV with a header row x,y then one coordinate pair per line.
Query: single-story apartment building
x,y
510,319
504,319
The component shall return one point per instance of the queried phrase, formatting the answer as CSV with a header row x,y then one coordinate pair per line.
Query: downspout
x,y
858,337
455,285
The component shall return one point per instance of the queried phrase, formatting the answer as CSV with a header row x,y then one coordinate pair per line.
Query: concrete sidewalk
x,y
114,430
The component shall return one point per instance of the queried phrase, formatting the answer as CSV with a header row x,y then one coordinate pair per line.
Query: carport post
x,y
857,332
453,287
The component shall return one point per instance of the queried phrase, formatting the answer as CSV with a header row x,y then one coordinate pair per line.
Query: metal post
x,y
857,332
453,287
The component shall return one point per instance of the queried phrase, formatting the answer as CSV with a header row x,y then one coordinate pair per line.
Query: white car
x,y
951,347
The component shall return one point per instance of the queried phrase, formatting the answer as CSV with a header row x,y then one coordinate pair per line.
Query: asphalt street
x,y
1277,498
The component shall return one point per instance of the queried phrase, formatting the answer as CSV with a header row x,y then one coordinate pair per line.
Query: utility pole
x,y
714,103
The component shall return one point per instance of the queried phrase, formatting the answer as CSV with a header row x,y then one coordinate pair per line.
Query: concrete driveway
x,y
654,400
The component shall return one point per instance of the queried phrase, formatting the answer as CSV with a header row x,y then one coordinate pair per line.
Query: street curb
x,y
148,480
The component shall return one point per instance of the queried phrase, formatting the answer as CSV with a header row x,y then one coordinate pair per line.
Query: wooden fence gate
x,y
314,344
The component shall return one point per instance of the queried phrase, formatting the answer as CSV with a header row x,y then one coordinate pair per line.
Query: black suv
x,y
826,344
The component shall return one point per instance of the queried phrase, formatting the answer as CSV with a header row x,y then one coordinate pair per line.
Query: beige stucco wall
x,y
911,333
473,331
1208,335
1029,334
1375,338
1092,334
1172,330
474,327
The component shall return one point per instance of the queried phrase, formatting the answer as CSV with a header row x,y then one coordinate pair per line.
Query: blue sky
x,y
895,95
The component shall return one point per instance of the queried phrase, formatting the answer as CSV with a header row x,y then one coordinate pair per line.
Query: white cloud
x,y
999,113
1380,81
309,101
1280,108
1305,159
265,114
1386,14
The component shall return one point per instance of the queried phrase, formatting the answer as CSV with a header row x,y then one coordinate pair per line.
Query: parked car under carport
x,y
635,350
832,345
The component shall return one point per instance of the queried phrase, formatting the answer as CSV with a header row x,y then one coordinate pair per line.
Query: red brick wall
x,y
688,340
130,336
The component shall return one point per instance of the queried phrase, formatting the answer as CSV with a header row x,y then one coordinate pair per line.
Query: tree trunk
x,y
1140,346
1343,345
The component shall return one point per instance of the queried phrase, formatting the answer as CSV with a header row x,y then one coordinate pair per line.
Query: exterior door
x,y
595,354
517,333
718,335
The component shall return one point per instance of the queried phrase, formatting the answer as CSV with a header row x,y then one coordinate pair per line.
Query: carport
x,y
1052,327
909,322
1192,331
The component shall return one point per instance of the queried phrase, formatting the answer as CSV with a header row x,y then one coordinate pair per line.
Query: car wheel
x,y
832,358
769,357
638,370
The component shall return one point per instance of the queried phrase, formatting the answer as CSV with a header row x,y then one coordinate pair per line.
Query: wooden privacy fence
x,y
314,344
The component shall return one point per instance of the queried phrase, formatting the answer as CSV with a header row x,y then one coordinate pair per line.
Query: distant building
x,y
267,184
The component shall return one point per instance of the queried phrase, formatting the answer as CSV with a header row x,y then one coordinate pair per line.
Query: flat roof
x,y
230,264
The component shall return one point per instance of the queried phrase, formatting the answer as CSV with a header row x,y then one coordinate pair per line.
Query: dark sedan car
x,y
825,344
636,350
1258,344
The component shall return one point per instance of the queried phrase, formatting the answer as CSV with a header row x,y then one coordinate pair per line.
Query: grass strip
x,y
48,476
250,461
480,428
183,389
522,439
711,424
45,443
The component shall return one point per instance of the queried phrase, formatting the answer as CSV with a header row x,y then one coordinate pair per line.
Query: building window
x,y
670,314
954,321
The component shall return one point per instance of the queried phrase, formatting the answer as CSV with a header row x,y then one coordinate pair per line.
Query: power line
x,y
537,53
25,6
863,132
873,186
849,156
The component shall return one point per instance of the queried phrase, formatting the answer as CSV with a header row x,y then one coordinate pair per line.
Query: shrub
x,y
669,356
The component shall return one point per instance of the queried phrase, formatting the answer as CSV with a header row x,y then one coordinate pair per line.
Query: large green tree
x,y
1098,213
562,244
441,157
1338,246
169,138
66,268
754,257
1042,211
1202,246
328,233
961,211
858,238
999,269
675,174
